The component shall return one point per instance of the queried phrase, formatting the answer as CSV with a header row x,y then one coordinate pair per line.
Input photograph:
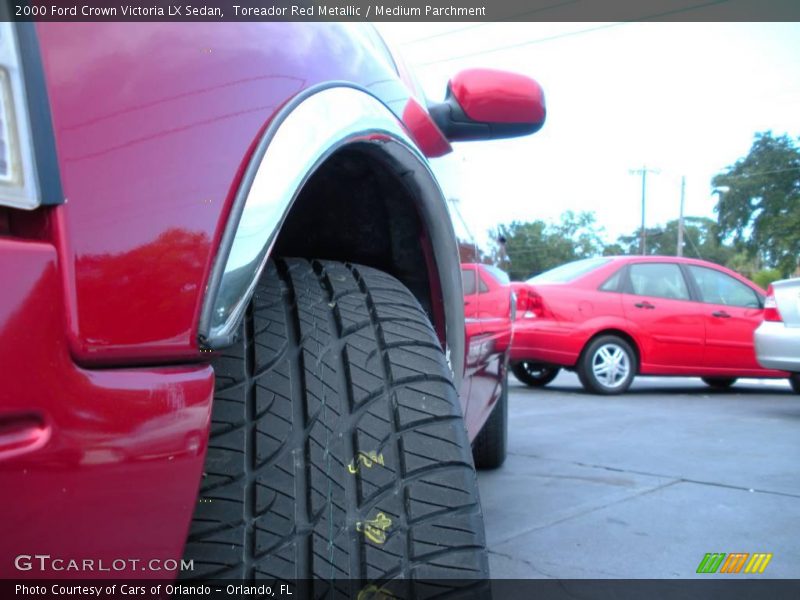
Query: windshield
x,y
569,271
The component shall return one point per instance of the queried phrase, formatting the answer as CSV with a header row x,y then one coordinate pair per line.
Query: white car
x,y
777,339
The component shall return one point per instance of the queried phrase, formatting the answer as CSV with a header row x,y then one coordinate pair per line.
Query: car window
x,y
569,271
468,281
499,275
612,283
663,280
719,288
482,287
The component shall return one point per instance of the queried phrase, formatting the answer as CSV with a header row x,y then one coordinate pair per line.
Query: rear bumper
x,y
778,346
97,466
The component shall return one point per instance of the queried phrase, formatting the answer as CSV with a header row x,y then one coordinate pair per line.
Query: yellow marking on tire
x,y
375,529
368,459
373,592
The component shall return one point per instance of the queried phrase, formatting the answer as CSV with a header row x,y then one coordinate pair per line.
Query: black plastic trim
x,y
457,126
44,147
694,289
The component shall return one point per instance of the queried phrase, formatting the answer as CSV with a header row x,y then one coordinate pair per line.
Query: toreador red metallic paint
x,y
152,139
480,91
93,464
425,132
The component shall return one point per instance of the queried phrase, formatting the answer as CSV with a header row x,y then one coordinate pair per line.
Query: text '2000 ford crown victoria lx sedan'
x,y
231,316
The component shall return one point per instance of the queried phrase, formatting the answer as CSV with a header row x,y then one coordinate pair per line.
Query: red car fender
x,y
612,326
152,147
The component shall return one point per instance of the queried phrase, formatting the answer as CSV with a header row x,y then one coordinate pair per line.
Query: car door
x,y
732,310
669,324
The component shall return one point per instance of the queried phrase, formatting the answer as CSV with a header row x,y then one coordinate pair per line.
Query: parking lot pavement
x,y
644,484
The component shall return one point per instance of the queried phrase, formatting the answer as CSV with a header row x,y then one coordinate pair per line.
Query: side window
x,y
718,288
499,275
612,283
663,280
482,287
468,281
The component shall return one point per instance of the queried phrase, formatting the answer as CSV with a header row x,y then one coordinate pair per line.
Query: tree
x,y
759,201
701,239
614,249
536,246
582,229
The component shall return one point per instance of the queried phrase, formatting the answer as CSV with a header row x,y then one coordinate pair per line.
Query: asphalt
x,y
642,485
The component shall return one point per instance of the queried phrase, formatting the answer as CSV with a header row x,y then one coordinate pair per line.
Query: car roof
x,y
661,258
683,260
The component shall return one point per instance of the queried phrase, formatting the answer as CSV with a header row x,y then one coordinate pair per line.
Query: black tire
x,y
794,381
591,354
719,383
534,374
489,447
337,370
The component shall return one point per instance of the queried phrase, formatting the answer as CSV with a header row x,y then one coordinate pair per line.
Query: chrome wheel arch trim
x,y
298,140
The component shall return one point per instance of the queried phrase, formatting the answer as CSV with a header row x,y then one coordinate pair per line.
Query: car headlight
x,y
18,178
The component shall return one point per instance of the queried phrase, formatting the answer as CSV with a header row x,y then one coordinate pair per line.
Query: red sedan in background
x,y
489,308
612,318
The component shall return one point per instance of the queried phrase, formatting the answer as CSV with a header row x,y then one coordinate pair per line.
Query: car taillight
x,y
529,304
18,179
771,312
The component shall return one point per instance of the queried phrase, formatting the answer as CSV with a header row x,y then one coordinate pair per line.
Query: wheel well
x,y
355,207
619,333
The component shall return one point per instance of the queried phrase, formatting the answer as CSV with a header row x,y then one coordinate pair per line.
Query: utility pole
x,y
643,172
680,217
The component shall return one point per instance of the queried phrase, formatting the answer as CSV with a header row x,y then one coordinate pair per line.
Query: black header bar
x,y
403,10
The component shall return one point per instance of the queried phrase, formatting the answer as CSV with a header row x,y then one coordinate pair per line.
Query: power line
x,y
443,33
745,175
521,44
572,33
688,237
477,25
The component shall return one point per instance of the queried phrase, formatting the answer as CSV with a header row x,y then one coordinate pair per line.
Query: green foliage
x,y
536,246
760,209
767,276
757,231
743,263
614,249
701,239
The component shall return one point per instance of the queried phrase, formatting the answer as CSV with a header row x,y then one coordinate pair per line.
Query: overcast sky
x,y
685,98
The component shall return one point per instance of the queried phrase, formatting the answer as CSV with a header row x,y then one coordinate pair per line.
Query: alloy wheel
x,y
611,365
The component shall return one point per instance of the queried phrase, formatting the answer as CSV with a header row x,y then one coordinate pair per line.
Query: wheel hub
x,y
611,365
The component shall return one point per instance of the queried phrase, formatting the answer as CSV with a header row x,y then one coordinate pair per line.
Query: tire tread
x,y
334,359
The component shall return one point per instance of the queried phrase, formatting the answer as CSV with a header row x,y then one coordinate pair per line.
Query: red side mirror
x,y
486,104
